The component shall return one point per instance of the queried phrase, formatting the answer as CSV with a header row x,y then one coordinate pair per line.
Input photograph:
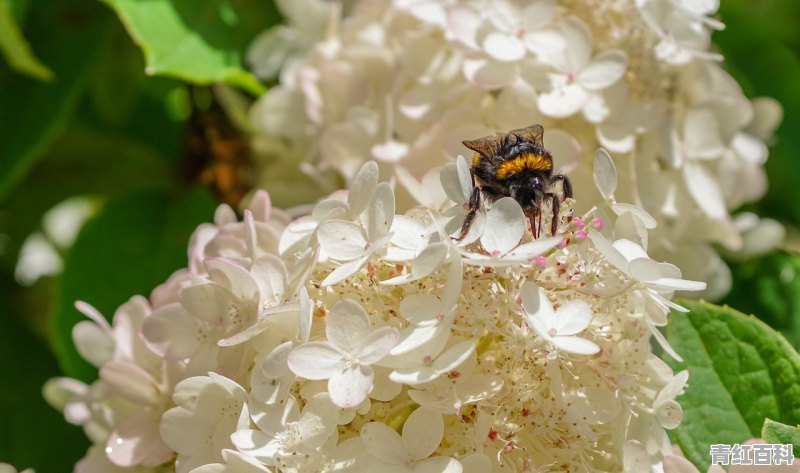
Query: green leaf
x,y
775,432
759,37
16,49
740,372
199,42
129,248
88,162
27,423
67,34
769,286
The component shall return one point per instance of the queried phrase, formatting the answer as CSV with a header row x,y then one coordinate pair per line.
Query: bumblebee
x,y
516,165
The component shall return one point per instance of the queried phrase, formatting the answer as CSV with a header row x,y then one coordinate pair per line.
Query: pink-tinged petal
x,y
619,208
136,442
380,212
572,317
233,277
318,421
276,362
454,357
546,44
701,134
750,148
315,360
490,75
260,205
341,240
463,23
378,344
382,442
503,47
269,273
94,344
421,308
415,337
630,250
361,187
604,70
241,463
644,269
705,190
478,387
407,233
476,463
347,326
534,248
576,345
272,419
96,461
438,465
604,173
413,376
531,297
675,284
617,138
390,151
93,314
662,341
256,444
345,270
563,101
607,249
566,147
349,387
172,332
537,14
428,260
131,382
579,45
208,301
211,468
505,226
179,430
422,433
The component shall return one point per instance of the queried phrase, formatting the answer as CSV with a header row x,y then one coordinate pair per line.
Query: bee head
x,y
529,193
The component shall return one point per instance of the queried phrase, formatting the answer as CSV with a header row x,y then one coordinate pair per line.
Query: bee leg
x,y
531,216
474,205
566,184
556,204
538,220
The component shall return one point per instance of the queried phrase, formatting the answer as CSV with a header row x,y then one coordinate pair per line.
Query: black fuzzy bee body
x,y
517,165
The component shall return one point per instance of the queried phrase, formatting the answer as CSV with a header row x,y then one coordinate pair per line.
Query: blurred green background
x,y
81,122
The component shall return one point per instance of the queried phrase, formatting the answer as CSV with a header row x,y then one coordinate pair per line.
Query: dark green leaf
x,y
67,35
88,162
770,287
775,432
199,42
740,372
28,426
16,49
132,245
761,44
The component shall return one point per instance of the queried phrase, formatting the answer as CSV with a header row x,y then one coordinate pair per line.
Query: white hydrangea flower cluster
x,y
404,81
355,339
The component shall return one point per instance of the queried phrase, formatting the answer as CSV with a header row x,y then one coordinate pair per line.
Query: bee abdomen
x,y
528,161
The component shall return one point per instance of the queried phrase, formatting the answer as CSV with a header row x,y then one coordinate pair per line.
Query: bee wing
x,y
533,133
486,146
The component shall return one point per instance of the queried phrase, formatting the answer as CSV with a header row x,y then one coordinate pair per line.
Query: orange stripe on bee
x,y
476,159
531,162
